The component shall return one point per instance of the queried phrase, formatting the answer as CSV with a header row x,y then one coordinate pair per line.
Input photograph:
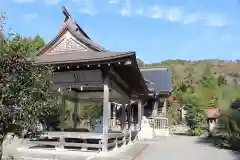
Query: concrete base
x,y
146,131
161,132
129,152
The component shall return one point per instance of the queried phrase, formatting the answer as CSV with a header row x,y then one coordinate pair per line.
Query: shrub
x,y
234,142
195,132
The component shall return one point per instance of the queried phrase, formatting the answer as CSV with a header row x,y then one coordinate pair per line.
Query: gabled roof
x,y
73,27
123,63
158,79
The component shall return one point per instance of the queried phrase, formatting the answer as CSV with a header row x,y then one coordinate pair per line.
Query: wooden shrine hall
x,y
85,71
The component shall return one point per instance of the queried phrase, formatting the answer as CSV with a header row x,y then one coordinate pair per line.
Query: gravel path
x,y
185,148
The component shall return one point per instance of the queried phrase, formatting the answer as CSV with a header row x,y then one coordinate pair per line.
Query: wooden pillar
x,y
124,123
155,108
165,107
105,114
128,115
109,114
143,111
114,114
132,114
139,114
62,117
75,114
130,122
123,118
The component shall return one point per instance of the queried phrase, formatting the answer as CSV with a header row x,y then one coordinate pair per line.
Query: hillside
x,y
181,68
201,84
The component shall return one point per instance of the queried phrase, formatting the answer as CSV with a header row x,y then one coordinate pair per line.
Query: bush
x,y
195,132
220,141
234,142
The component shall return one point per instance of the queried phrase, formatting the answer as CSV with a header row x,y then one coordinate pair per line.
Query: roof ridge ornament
x,y
65,12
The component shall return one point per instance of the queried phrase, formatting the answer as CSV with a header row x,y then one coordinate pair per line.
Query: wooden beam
x,y
119,79
64,92
88,96
78,85
113,85
105,114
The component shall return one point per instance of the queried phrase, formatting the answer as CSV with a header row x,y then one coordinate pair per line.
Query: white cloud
x,y
192,18
114,1
23,1
86,6
155,12
139,11
48,2
176,14
215,20
87,11
30,17
126,8
52,2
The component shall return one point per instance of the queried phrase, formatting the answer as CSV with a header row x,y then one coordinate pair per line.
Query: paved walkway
x,y
164,148
185,148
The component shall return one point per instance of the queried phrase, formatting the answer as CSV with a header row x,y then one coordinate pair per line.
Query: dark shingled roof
x,y
159,79
81,56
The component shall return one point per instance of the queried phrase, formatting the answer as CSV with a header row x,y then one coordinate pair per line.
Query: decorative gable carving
x,y
68,43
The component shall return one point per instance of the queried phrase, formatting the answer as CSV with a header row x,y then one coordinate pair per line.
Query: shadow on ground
x,y
205,141
209,141
180,134
236,154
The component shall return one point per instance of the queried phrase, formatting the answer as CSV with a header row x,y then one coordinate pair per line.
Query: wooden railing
x,y
158,122
81,141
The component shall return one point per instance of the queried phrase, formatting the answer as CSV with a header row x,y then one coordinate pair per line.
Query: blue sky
x,y
156,29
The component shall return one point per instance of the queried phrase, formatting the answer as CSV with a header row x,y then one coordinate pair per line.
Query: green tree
x,y
25,94
195,116
221,81
140,63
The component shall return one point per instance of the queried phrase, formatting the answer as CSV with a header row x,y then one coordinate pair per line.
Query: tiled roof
x,y
159,79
